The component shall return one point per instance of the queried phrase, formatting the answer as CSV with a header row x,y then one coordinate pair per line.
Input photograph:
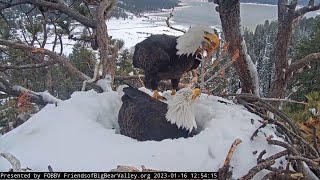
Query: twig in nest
x,y
291,150
276,156
261,155
315,144
302,141
308,161
255,133
253,171
275,175
280,171
224,171
50,168
16,165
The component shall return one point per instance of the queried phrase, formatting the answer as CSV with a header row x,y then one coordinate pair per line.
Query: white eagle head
x,y
197,37
180,108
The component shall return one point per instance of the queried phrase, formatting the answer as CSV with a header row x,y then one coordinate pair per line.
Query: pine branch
x,y
56,6
54,56
27,66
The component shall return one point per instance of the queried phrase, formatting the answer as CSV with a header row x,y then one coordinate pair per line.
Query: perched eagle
x,y
144,118
165,57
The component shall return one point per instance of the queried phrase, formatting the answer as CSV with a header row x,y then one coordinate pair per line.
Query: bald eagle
x,y
144,118
163,57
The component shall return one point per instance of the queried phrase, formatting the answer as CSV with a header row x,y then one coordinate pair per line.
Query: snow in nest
x,y
82,134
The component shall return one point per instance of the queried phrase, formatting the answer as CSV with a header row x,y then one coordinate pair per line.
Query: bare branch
x,y
284,100
169,25
308,161
302,62
306,9
224,172
56,6
253,171
16,165
314,138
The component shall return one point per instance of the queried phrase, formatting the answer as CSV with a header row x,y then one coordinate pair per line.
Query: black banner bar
x,y
108,175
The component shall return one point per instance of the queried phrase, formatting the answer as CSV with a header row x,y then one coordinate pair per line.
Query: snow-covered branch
x,y
36,97
307,9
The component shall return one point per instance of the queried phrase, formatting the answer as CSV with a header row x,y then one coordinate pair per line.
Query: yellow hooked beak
x,y
212,40
196,93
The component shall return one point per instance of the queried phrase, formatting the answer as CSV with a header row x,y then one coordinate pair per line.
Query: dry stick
x,y
304,142
169,25
291,149
16,165
284,100
281,171
281,115
269,107
297,133
255,133
315,144
275,156
261,155
307,160
224,171
275,175
265,117
270,175
253,171
50,168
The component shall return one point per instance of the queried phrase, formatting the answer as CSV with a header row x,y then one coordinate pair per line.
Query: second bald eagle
x,y
163,57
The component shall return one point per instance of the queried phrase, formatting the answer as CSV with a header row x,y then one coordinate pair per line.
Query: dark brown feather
x,y
143,118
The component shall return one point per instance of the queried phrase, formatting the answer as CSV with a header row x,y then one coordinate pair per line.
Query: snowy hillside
x,y
81,134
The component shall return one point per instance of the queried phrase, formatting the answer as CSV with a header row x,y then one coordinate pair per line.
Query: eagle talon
x,y
156,95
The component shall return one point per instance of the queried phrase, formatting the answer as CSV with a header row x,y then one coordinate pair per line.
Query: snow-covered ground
x,y
132,31
81,134
137,29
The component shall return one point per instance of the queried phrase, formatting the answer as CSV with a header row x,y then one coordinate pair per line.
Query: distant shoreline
x,y
260,4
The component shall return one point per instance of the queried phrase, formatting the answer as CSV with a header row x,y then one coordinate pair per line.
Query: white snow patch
x,y
47,97
82,134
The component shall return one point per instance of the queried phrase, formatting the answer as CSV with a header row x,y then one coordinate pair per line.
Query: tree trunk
x,y
285,21
109,65
230,20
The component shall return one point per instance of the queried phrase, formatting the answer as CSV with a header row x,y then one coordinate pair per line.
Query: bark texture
x,y
229,11
287,14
